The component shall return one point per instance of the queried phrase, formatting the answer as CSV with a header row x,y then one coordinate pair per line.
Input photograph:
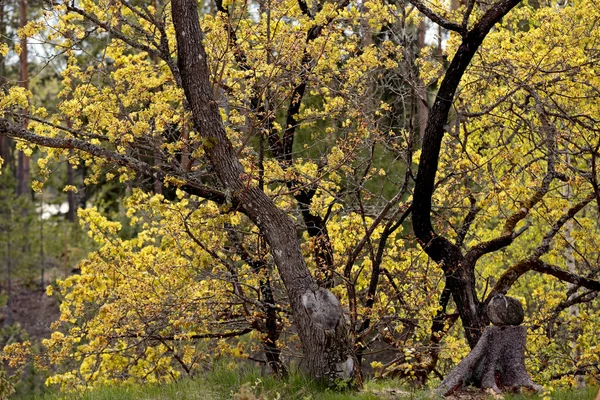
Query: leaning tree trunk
x,y
317,312
459,272
497,362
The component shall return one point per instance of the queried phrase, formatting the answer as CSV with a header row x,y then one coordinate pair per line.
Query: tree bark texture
x,y
497,362
317,313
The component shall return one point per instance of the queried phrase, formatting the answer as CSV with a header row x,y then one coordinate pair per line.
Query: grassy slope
x,y
250,385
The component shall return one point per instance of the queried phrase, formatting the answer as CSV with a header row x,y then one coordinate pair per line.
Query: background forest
x,y
171,199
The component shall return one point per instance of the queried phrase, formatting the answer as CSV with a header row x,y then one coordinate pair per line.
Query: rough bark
x,y
327,351
497,363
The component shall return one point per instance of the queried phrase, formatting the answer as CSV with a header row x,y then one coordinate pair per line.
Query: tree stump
x,y
497,362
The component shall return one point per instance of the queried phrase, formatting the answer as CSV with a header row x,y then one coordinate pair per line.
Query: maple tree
x,y
254,122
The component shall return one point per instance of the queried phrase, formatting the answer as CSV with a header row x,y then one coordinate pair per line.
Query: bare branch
x,y
438,19
509,234
565,276
545,246
224,335
495,244
115,32
467,15
190,186
492,106
533,264
356,251
570,301
304,8
469,218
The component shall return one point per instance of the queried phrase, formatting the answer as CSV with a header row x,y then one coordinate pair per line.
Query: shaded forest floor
x,y
32,309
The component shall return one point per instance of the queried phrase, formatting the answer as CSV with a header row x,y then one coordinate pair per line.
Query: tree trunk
x,y
23,160
422,108
272,352
460,280
572,288
4,141
70,194
459,272
317,312
497,362
8,260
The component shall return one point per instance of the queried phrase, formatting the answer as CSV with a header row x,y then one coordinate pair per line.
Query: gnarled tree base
x,y
497,362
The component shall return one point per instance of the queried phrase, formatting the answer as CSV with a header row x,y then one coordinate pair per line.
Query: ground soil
x,y
33,310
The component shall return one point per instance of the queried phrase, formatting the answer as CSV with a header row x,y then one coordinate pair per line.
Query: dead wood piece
x,y
497,362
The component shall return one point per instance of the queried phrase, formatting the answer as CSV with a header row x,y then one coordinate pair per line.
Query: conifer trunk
x,y
23,160
4,141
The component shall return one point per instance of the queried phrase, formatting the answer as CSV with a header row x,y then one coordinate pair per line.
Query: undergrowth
x,y
248,383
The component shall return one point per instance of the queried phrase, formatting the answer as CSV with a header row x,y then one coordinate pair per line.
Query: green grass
x,y
245,384
248,384
588,393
